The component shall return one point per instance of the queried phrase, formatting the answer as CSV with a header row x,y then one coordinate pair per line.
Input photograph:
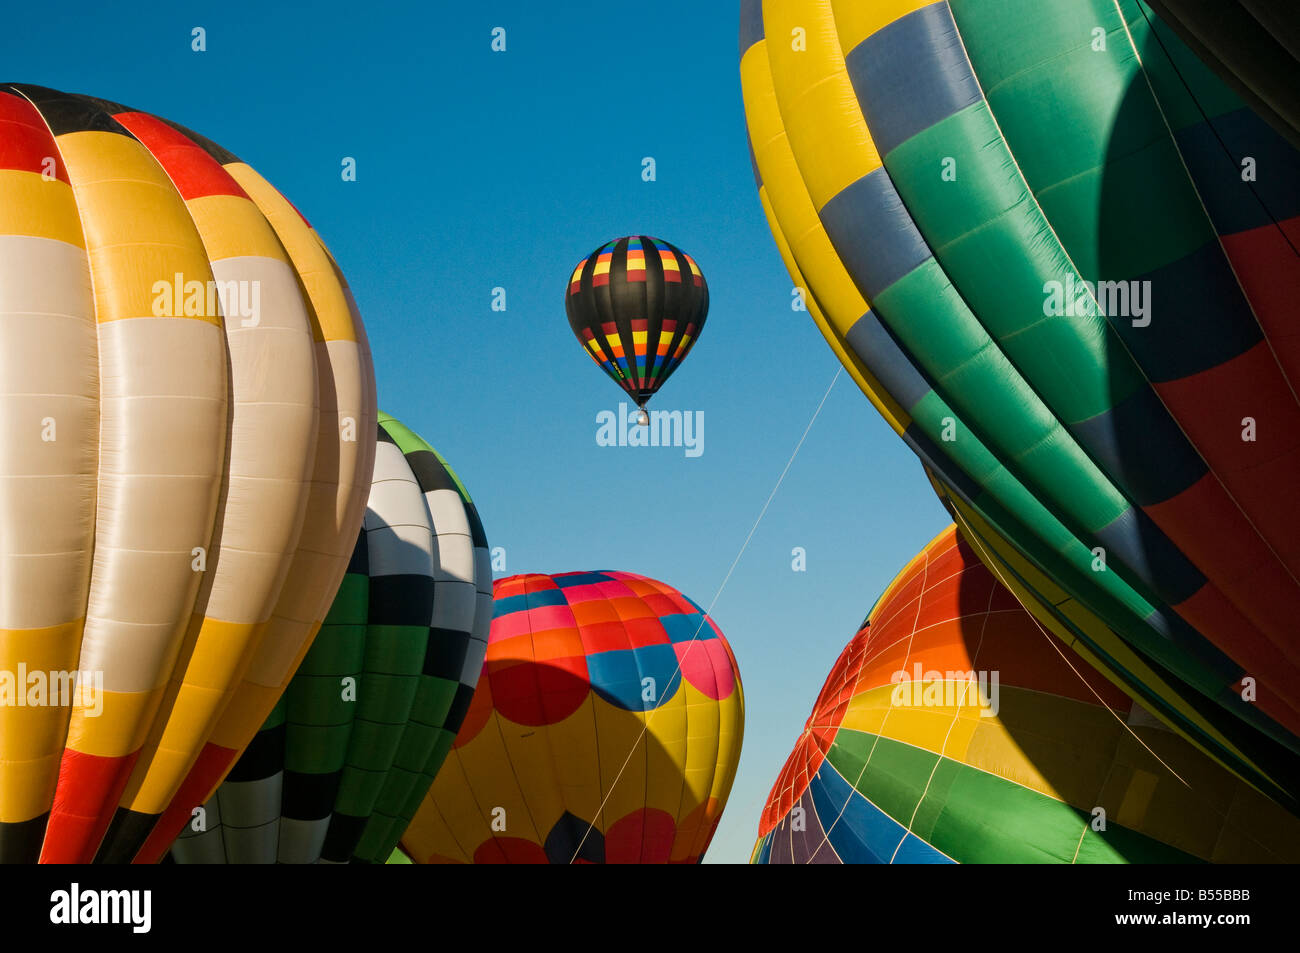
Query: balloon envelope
x,y
637,305
187,419
606,728
1057,253
953,728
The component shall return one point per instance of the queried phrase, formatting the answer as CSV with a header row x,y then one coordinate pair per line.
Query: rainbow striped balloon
x,y
637,305
955,728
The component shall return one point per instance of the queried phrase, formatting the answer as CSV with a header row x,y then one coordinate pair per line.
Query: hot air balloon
x,y
953,728
606,728
187,419
637,305
348,754
1059,257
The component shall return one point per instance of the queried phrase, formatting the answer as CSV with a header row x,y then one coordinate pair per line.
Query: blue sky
x,y
478,170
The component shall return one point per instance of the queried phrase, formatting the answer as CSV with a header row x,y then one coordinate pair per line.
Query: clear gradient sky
x,y
478,170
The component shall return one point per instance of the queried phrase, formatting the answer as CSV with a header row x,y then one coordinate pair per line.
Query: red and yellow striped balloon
x,y
187,432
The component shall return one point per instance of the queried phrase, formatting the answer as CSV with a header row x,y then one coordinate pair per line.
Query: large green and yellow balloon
x,y
340,767
187,419
1059,256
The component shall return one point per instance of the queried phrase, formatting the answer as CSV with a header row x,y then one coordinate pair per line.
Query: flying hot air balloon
x,y
606,728
345,759
637,305
954,728
1059,256
187,416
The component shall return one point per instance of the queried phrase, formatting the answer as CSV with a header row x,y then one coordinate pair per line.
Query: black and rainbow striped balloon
x,y
637,305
